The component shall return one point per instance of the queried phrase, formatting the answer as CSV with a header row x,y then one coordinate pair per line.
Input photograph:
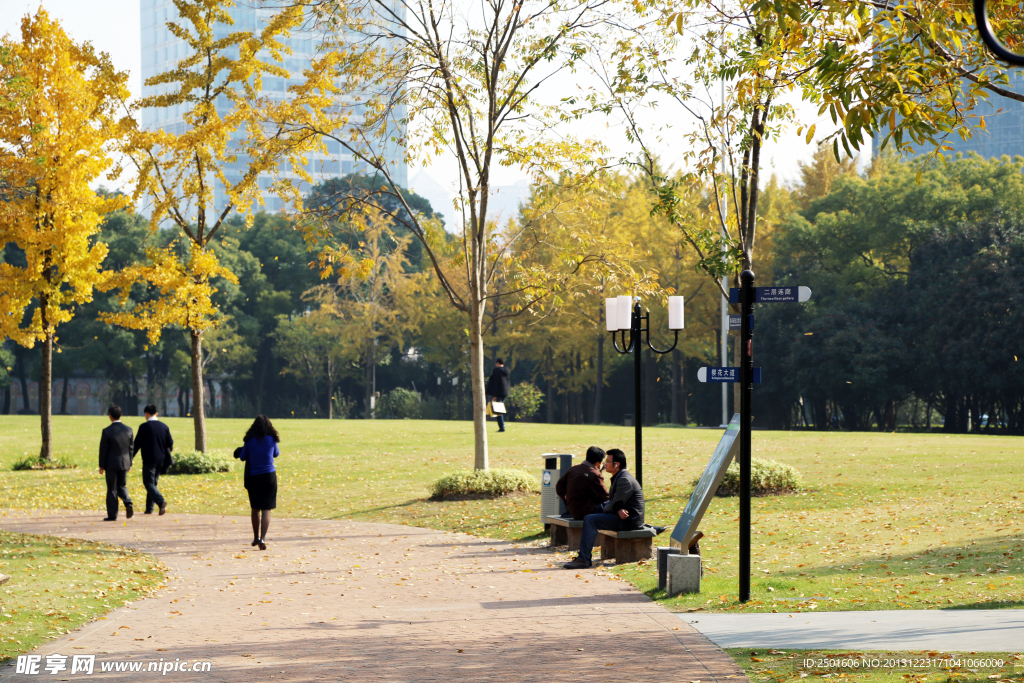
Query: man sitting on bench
x,y
582,487
623,511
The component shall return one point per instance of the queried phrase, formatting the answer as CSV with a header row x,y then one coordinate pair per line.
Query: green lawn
x,y
58,584
889,521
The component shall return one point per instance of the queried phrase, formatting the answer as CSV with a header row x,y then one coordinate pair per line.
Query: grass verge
x,y
887,521
891,666
58,584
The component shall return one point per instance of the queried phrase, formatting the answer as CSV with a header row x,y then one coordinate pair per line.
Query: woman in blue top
x,y
259,452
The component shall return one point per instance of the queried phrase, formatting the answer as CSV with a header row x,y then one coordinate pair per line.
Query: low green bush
x,y
483,483
399,404
197,462
767,478
32,462
525,399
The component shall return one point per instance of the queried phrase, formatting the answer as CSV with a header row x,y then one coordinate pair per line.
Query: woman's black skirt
x,y
262,491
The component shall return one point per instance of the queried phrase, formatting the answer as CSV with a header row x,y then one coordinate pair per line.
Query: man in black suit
x,y
155,442
116,462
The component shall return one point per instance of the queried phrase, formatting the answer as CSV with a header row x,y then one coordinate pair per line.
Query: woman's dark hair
x,y
261,427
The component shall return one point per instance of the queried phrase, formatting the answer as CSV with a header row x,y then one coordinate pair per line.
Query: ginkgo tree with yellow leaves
x,y
55,137
178,171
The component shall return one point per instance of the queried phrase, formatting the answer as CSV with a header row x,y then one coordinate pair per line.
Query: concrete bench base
x,y
627,546
683,574
565,531
3,578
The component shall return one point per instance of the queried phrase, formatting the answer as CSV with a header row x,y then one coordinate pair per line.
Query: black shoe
x,y
263,545
163,508
128,511
148,512
660,529
110,519
577,564
501,430
255,542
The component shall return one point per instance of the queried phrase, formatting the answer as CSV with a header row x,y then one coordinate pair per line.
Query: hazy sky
x,y
113,26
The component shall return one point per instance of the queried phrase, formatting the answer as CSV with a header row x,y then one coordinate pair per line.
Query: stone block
x,y
683,575
663,554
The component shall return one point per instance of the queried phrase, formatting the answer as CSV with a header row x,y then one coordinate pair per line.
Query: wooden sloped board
x,y
727,449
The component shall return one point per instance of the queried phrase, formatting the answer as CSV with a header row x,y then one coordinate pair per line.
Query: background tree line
x,y
912,325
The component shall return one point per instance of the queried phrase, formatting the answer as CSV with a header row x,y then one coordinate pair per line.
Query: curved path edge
x,y
350,601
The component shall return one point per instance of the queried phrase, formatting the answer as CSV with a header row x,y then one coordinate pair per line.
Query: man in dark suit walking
x,y
116,462
155,442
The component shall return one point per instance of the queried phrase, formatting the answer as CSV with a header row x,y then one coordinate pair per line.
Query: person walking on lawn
x,y
258,452
623,511
498,388
582,487
116,462
155,442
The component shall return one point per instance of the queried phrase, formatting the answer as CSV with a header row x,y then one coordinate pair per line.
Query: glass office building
x,y
1004,127
161,51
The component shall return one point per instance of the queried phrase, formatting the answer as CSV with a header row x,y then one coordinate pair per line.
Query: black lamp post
x,y
623,314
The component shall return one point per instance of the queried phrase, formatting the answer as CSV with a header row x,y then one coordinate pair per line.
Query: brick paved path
x,y
347,601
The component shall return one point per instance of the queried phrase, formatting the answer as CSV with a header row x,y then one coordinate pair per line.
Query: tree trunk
x,y
551,402
330,399
64,397
198,400
476,367
599,384
7,400
45,391
225,401
370,379
23,378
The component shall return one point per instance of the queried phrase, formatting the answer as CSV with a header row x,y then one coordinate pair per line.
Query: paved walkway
x,y
965,630
353,602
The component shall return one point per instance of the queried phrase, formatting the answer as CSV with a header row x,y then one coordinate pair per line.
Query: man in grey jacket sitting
x,y
623,511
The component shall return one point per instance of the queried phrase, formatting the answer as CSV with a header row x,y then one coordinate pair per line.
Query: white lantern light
x,y
675,313
624,312
611,320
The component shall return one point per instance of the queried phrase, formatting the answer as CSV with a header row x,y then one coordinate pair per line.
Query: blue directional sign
x,y
724,375
735,321
768,295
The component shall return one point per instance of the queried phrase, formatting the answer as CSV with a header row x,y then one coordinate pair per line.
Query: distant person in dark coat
x,y
258,453
116,462
155,442
624,509
582,487
498,388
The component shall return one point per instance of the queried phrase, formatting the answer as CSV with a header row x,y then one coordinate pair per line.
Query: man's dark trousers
x,y
150,476
592,524
117,481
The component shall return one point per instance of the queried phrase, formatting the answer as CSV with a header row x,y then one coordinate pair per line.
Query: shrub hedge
x,y
197,462
483,483
767,478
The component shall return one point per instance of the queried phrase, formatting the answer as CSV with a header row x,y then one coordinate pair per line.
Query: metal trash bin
x,y
555,465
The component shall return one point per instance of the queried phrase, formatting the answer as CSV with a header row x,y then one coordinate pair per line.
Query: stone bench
x,y
565,531
3,579
627,546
